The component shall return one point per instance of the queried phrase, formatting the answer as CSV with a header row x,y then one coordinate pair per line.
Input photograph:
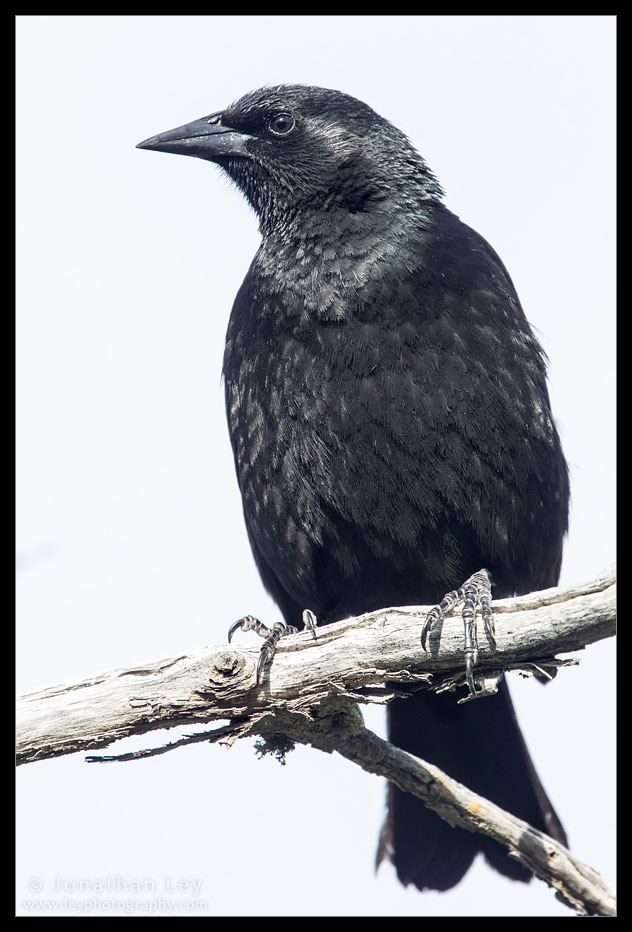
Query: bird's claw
x,y
272,635
310,621
475,592
249,623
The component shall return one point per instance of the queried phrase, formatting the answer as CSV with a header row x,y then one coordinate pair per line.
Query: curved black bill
x,y
205,138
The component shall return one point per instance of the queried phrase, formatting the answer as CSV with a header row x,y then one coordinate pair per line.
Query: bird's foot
x,y
475,592
271,635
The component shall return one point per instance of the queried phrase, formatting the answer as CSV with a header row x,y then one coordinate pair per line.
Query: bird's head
x,y
293,148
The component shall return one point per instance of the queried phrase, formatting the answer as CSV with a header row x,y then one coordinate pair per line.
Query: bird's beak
x,y
205,138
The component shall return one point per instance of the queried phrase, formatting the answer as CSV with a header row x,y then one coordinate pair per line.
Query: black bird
x,y
390,421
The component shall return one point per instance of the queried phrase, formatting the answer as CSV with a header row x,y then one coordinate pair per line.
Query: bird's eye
x,y
282,124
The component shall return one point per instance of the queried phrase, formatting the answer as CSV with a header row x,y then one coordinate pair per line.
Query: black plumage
x,y
390,421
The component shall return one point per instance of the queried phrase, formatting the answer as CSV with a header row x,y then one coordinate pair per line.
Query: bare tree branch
x,y
352,657
337,725
312,699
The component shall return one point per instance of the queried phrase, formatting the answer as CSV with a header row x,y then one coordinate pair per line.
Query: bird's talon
x,y
310,621
249,623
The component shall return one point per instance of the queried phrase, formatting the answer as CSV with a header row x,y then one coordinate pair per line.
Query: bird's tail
x,y
480,744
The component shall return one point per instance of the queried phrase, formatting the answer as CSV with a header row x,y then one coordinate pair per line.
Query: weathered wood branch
x,y
312,699
337,725
353,657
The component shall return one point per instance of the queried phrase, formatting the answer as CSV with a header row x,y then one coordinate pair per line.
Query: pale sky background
x,y
130,535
